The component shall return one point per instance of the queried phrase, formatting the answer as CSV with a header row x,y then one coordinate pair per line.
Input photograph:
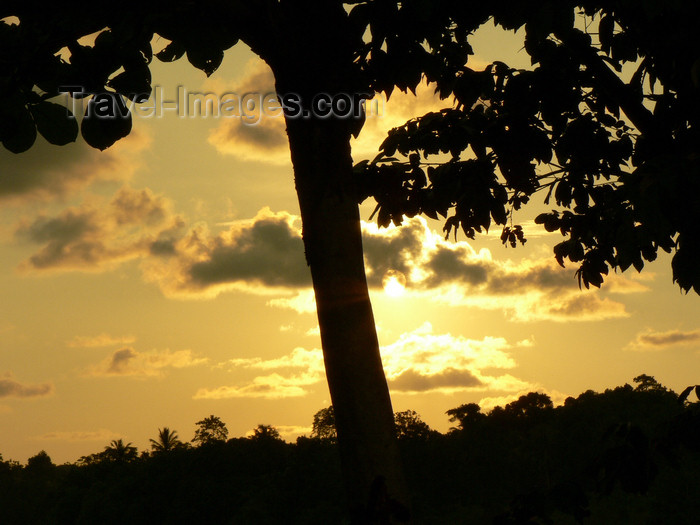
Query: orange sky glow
x,y
163,280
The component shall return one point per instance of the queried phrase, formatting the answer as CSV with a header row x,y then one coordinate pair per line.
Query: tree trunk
x,y
359,392
310,46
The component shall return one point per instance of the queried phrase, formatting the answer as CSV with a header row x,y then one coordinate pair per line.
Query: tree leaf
x,y
208,60
17,127
102,126
686,392
171,52
55,123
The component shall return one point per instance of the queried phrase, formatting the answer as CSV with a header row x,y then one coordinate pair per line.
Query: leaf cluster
x,y
616,156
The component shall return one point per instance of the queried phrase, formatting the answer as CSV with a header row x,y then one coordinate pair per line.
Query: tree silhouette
x,y
265,433
573,114
120,452
211,430
40,463
167,440
616,154
323,426
409,425
313,47
646,383
466,414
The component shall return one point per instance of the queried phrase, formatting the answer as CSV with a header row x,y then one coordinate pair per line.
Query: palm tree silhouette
x,y
118,451
167,440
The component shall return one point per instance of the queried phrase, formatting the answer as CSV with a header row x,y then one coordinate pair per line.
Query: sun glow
x,y
394,283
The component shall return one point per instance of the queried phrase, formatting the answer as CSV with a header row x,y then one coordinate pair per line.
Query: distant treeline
x,y
629,455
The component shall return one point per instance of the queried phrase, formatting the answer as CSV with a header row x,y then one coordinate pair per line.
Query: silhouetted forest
x,y
628,455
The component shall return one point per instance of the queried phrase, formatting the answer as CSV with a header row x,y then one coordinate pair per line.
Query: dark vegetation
x,y
628,455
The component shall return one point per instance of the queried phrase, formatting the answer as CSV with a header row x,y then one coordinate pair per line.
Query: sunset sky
x,y
163,280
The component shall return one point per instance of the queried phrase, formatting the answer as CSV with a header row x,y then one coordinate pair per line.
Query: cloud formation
x,y
102,435
260,134
259,254
264,137
265,255
96,235
301,369
418,362
100,340
653,340
155,363
422,361
10,387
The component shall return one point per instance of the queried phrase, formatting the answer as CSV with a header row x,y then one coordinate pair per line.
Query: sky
x,y
163,280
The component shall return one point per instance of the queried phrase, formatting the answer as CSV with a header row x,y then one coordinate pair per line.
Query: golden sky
x,y
163,280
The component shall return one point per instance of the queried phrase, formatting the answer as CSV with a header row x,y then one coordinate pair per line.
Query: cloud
x,y
98,235
419,361
265,255
449,378
154,363
10,387
302,302
422,361
302,367
652,340
456,274
273,386
260,132
291,432
260,254
264,138
46,171
99,340
102,434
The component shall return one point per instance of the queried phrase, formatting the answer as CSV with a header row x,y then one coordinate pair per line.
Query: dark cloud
x,y
262,136
413,381
154,363
395,251
93,235
545,276
119,364
259,134
586,306
138,207
663,339
67,227
454,265
9,387
268,251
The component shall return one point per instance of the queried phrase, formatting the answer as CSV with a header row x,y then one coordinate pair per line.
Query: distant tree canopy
x,y
323,426
465,414
606,457
210,430
167,440
646,383
409,425
265,433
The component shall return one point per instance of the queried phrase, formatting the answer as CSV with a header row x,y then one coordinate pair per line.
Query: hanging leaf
x,y
55,123
208,60
17,128
106,120
133,83
171,52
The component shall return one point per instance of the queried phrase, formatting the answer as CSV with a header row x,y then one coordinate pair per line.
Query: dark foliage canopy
x,y
605,124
